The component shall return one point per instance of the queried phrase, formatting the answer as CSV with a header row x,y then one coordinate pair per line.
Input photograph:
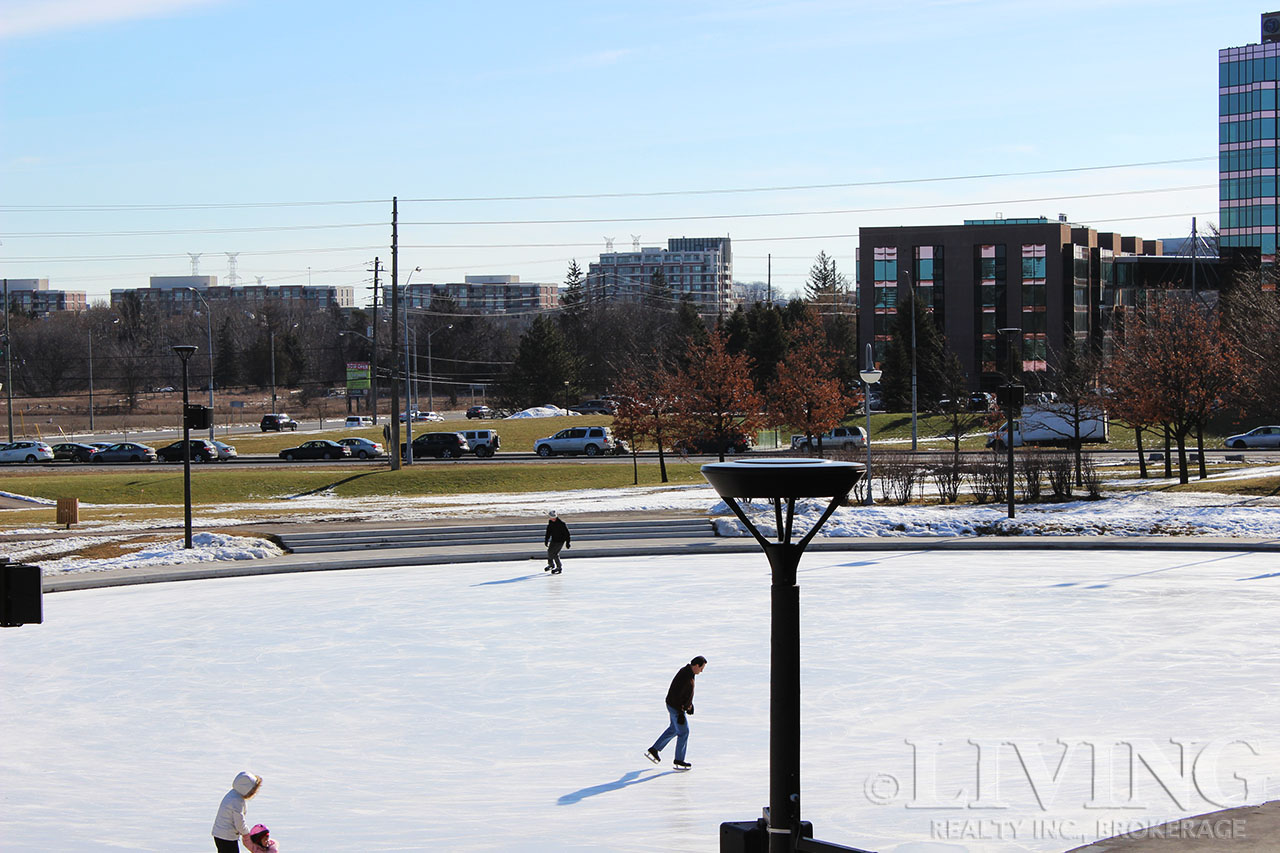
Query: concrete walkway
x,y
1247,829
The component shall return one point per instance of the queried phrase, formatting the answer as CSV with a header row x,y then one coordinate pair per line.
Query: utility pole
x,y
373,359
395,327
8,363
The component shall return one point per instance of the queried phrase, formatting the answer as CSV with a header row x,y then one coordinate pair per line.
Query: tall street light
x,y
209,316
1011,400
431,377
113,322
782,481
911,290
869,376
185,351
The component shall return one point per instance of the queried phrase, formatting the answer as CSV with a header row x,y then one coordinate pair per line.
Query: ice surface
x,y
493,707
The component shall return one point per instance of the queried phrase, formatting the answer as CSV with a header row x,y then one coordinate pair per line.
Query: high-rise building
x,y
1248,79
33,296
699,268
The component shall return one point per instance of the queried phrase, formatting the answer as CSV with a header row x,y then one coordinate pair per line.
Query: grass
x,y
226,485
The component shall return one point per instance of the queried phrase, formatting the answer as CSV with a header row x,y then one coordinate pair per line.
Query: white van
x,y
358,421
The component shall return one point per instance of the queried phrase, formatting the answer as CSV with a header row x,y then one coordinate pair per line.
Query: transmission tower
x,y
195,262
608,244
232,278
635,242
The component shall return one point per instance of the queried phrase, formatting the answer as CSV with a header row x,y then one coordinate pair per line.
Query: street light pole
x,y
208,316
8,363
272,337
185,351
91,380
911,289
869,376
408,394
1009,407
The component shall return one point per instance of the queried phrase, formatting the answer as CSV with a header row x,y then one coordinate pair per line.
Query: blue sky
x,y
147,129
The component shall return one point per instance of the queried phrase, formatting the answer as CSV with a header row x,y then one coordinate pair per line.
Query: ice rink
x,y
953,701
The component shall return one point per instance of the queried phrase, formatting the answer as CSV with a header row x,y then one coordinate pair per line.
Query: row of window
x,y
1246,159
1265,242
1231,189
1253,101
1249,216
1247,130
1243,72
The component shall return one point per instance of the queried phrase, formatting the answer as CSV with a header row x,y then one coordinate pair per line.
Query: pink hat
x,y
258,828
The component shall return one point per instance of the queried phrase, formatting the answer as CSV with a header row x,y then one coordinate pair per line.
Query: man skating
x,y
557,537
679,703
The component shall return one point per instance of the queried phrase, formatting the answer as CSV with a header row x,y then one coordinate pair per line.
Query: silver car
x,y
1263,436
26,451
593,441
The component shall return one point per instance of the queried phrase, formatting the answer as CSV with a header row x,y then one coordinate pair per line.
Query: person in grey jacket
x,y
230,826
557,537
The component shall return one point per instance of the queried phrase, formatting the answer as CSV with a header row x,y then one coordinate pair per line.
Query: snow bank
x,y
207,548
548,411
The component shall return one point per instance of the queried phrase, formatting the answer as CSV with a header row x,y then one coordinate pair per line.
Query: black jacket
x,y
557,531
680,693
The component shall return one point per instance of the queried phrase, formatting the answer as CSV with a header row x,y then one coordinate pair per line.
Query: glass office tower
x,y
1248,77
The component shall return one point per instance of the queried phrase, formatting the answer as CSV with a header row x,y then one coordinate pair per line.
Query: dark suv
x,y
442,445
278,422
479,412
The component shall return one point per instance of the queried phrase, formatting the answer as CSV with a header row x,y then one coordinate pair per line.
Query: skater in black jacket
x,y
679,703
557,537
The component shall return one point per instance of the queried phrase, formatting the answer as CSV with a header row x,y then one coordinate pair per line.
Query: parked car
x,y
981,401
126,451
593,441
442,445
361,448
278,422
1053,424
483,442
320,448
595,407
202,450
103,445
225,451
840,438
74,451
739,442
26,451
358,421
432,417
479,412
1263,436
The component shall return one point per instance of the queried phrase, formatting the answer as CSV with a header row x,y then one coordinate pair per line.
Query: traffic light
x,y
198,417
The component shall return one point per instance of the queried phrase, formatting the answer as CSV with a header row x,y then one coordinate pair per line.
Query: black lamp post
x,y
185,351
1010,396
782,481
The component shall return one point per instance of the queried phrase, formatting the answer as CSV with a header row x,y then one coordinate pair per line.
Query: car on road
x,y
1263,436
479,412
423,416
26,451
320,448
595,407
591,441
361,448
126,451
358,421
225,451
840,438
442,445
202,450
74,451
278,422
483,442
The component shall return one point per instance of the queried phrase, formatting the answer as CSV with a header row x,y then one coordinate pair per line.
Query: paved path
x,y
1248,829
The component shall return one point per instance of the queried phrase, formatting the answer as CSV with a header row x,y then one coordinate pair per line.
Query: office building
x,y
1050,279
1248,77
173,294
482,294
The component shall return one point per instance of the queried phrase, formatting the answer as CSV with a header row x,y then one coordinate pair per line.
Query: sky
x,y
518,136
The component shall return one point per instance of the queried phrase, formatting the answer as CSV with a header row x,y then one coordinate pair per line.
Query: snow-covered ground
x,y
1000,702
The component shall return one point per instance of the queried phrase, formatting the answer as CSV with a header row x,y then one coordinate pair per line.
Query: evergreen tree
x,y
542,365
658,296
826,284
573,299
931,378
225,361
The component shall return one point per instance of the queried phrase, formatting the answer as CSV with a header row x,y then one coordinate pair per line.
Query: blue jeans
x,y
677,730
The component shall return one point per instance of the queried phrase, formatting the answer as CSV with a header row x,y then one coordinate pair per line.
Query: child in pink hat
x,y
259,840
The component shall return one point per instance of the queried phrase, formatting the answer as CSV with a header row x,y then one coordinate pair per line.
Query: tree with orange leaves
x,y
716,399
1176,365
805,395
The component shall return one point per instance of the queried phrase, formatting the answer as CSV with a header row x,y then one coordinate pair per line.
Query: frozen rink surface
x,y
953,701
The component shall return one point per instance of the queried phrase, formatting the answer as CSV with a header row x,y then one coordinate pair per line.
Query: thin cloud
x,y
34,17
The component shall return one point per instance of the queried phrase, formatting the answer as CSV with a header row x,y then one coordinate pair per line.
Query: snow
x,y
548,411
494,707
